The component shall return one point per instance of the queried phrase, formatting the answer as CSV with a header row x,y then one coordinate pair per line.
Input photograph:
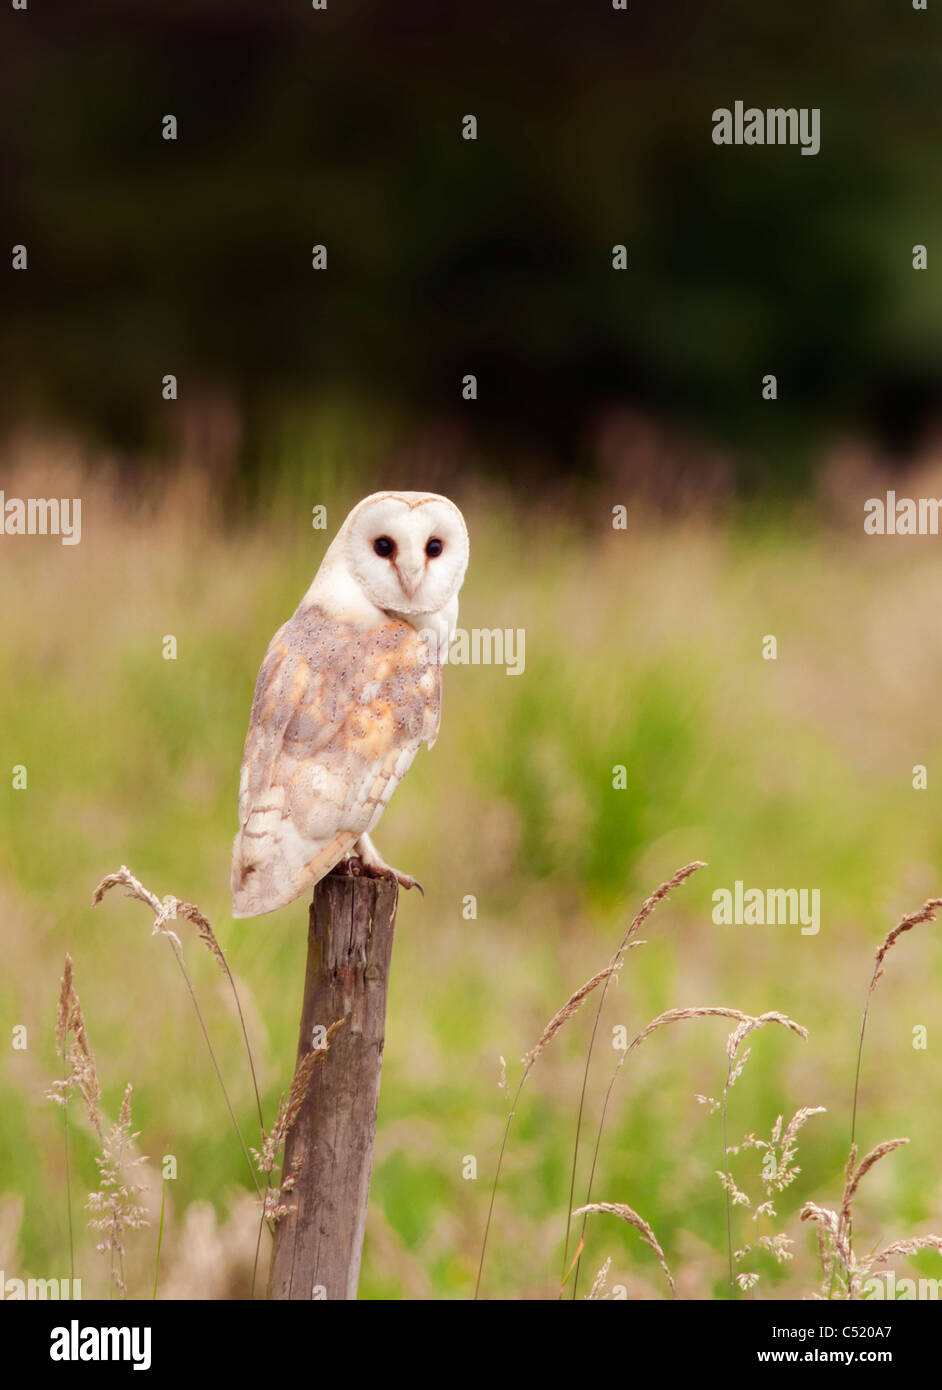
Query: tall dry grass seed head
x,y
843,1270
597,1290
73,1047
115,1207
925,914
628,942
777,1172
267,1158
166,910
640,1225
558,1021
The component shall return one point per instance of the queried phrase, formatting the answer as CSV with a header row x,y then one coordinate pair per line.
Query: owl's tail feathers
x,y
271,870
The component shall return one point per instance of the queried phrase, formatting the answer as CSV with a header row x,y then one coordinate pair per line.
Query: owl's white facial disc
x,y
408,550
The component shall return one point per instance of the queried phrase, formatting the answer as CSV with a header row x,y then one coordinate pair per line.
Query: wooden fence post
x,y
329,1147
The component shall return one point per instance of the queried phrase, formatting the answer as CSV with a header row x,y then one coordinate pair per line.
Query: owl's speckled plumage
x,y
348,690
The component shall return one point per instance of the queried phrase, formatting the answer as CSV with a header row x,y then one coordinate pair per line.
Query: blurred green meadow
x,y
643,650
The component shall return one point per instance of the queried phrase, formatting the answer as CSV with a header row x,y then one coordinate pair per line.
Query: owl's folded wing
x,y
337,717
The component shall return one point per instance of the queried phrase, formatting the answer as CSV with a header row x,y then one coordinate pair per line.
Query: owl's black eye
x,y
384,546
434,547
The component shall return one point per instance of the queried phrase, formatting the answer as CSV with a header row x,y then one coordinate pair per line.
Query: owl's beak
x,y
410,577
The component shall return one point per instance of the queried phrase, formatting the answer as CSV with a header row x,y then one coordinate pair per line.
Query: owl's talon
x,y
373,864
407,881
366,870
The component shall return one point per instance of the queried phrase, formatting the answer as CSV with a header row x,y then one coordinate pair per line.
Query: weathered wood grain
x,y
329,1147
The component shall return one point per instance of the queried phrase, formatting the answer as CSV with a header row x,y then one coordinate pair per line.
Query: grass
x,y
643,649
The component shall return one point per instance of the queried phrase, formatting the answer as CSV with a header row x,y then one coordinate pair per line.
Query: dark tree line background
x,y
342,127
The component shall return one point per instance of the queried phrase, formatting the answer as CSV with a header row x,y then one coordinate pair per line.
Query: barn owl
x,y
349,688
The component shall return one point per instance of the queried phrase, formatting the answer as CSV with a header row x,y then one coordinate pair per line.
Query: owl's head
x,y
407,550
